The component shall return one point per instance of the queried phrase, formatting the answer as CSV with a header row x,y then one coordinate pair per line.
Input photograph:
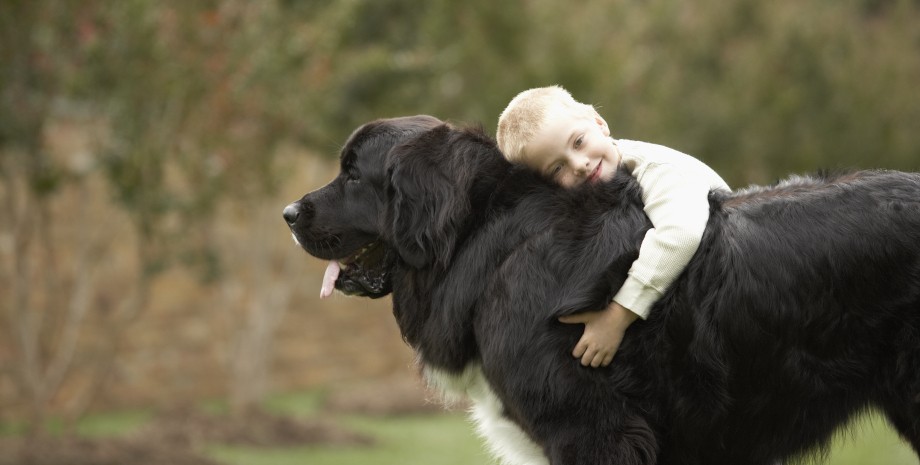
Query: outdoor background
x,y
153,307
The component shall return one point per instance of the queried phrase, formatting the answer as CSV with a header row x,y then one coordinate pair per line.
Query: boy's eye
x,y
554,170
578,141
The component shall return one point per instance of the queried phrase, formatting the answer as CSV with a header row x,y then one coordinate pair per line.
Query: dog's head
x,y
402,194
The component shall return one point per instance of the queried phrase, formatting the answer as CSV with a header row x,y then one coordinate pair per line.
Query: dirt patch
x,y
175,437
82,451
191,428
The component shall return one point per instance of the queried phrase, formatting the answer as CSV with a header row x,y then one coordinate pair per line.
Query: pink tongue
x,y
332,273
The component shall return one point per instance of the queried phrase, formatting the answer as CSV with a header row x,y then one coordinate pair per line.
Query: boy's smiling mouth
x,y
595,174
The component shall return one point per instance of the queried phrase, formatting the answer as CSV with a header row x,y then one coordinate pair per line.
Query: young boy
x,y
568,141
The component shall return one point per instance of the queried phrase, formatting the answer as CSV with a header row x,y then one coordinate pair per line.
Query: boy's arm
x,y
675,192
677,203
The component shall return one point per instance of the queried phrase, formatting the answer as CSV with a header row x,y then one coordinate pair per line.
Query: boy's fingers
x,y
580,349
587,358
598,359
610,355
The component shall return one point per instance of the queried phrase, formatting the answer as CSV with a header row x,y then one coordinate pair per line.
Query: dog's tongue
x,y
332,273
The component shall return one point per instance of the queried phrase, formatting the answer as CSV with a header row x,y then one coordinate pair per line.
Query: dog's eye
x,y
352,177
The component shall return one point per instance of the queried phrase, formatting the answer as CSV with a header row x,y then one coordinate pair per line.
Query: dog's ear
x,y
428,187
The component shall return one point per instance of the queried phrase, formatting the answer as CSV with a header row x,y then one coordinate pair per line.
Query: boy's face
x,y
572,149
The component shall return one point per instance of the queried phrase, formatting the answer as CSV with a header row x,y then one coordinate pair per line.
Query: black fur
x,y
800,309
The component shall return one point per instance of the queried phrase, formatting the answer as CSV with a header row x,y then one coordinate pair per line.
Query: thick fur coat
x,y
800,310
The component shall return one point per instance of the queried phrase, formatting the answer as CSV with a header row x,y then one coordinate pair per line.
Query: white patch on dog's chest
x,y
505,440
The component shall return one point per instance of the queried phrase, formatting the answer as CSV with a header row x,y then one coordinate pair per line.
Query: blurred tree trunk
x,y
174,85
58,243
52,291
44,319
255,296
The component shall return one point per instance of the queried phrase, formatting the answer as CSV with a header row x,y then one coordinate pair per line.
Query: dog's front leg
x,y
629,443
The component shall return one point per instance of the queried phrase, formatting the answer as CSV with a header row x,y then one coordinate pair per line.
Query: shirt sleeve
x,y
677,203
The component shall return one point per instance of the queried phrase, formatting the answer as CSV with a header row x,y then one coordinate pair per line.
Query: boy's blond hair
x,y
525,114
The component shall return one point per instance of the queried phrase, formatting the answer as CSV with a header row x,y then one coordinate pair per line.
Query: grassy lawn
x,y
871,441
433,440
443,439
448,440
109,424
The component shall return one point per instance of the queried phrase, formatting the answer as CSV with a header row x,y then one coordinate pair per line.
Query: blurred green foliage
x,y
758,89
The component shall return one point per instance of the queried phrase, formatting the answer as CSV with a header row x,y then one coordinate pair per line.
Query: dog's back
x,y
800,309
808,294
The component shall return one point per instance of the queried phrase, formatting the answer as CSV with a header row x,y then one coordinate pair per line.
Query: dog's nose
x,y
290,213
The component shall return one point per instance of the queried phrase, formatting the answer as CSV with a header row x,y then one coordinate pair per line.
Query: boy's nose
x,y
580,165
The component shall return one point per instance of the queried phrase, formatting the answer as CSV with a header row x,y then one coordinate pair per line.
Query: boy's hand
x,y
603,332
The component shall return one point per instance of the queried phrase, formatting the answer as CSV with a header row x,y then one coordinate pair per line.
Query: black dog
x,y
800,310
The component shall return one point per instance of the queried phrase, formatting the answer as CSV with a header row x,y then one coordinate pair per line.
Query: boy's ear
x,y
603,124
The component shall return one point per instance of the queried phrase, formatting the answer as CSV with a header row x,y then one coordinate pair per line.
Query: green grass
x,y
443,439
446,439
303,403
113,423
870,441
108,424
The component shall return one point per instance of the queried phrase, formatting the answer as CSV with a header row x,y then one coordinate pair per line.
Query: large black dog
x,y
800,309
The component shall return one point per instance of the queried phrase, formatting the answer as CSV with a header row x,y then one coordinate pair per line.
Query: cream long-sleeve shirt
x,y
675,189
